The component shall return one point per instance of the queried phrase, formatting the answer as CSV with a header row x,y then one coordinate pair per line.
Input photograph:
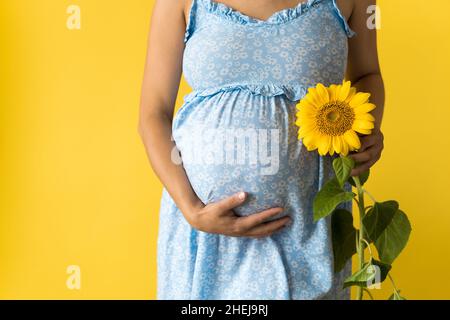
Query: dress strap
x,y
190,25
350,33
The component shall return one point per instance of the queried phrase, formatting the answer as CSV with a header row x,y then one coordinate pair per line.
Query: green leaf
x,y
396,296
394,238
328,198
373,272
363,177
378,218
343,236
360,278
342,168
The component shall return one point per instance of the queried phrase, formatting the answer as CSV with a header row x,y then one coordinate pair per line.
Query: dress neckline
x,y
278,17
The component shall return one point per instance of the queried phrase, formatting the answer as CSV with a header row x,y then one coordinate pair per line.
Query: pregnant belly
x,y
236,141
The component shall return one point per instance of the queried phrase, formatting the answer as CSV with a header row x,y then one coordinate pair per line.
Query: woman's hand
x,y
370,152
219,218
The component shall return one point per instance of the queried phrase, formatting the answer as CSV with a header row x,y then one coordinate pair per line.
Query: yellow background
x,y
76,187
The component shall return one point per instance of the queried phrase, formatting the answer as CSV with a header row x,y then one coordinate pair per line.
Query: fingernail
x,y
241,195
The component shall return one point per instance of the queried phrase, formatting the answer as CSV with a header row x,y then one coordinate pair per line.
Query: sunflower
x,y
330,118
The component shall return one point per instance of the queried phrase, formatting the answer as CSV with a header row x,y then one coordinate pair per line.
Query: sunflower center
x,y
332,116
335,118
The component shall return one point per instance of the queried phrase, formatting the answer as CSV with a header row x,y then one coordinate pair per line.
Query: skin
x,y
159,90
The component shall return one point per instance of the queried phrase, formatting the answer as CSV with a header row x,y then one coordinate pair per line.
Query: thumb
x,y
232,202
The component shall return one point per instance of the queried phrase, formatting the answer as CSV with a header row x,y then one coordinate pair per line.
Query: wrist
x,y
191,210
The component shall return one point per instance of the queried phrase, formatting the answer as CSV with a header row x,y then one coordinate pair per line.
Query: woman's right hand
x,y
219,218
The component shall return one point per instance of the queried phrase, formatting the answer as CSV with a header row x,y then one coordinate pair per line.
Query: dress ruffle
x,y
191,23
279,17
293,92
350,33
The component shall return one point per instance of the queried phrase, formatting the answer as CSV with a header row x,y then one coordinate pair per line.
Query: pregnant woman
x,y
236,211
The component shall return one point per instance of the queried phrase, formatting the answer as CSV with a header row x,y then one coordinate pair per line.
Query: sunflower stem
x,y
361,241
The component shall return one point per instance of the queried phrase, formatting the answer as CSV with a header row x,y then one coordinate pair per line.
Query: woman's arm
x,y
159,90
364,72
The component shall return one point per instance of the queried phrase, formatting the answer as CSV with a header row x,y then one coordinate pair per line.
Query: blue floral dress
x,y
248,75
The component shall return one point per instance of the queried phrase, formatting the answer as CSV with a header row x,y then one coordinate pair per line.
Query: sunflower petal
x,y
359,99
352,139
307,111
323,93
337,144
351,94
365,116
364,108
324,145
304,118
312,97
337,91
344,150
363,131
362,124
310,141
345,90
305,130
332,92
331,150
305,104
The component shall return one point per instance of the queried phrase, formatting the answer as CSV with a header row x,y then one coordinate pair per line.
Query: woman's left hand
x,y
370,152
